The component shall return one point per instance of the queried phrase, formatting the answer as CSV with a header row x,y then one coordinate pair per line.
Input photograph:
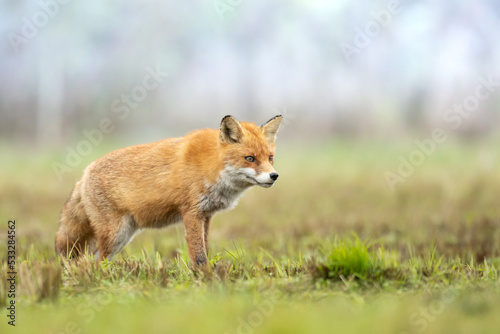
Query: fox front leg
x,y
206,229
195,237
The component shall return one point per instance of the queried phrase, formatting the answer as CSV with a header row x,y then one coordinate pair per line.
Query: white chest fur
x,y
225,193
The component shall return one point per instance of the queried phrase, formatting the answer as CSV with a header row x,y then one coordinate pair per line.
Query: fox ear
x,y
230,130
271,128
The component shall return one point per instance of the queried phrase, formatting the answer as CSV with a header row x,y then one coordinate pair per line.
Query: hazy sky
x,y
344,66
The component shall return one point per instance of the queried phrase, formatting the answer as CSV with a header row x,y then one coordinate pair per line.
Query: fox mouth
x,y
262,184
265,184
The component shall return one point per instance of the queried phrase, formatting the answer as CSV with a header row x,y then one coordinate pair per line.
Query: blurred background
x,y
376,69
357,81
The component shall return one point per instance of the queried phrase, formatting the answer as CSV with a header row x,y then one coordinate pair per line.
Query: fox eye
x,y
271,158
250,158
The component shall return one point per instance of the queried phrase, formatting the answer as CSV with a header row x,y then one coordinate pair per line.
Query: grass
x,y
328,249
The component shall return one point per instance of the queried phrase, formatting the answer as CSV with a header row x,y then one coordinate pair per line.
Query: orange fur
x,y
157,184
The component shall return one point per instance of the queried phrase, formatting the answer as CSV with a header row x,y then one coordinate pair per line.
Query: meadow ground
x,y
331,248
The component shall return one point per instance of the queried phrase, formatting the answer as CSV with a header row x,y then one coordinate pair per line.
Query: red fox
x,y
155,185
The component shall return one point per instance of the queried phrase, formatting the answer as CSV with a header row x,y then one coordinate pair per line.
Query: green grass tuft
x,y
351,259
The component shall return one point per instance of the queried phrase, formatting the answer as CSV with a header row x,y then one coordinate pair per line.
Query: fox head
x,y
249,151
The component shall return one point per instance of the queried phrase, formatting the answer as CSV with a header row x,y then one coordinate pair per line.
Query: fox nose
x,y
274,176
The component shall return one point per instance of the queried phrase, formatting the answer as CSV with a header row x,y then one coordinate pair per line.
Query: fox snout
x,y
269,182
266,180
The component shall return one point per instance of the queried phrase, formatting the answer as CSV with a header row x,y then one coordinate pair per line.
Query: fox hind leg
x,y
112,241
75,234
